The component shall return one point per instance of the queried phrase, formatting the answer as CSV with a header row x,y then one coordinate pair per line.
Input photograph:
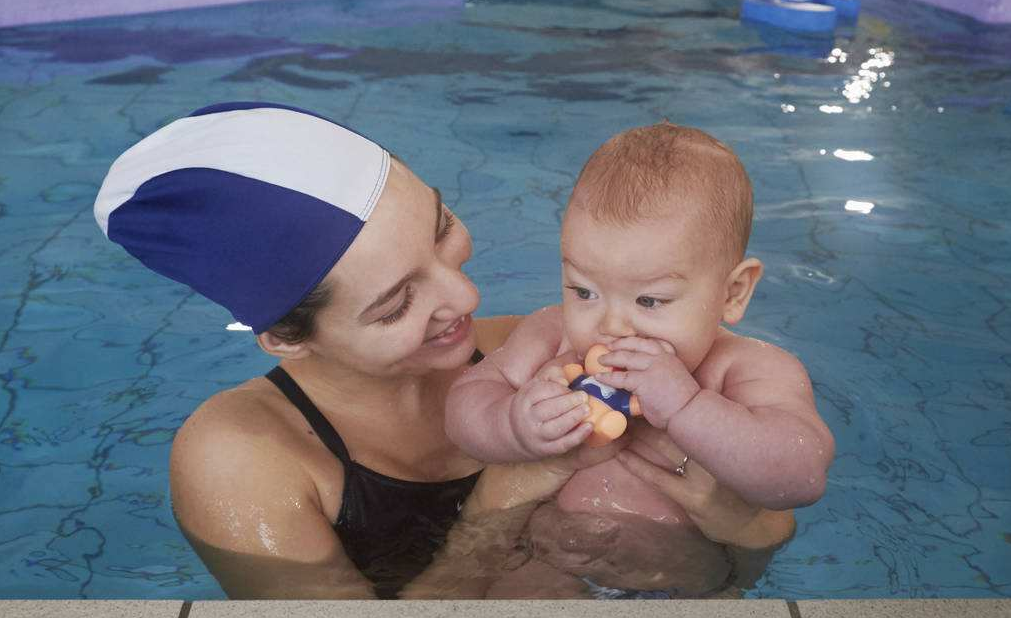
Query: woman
x,y
332,476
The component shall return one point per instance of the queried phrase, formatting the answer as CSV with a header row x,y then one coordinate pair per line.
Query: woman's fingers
x,y
658,441
671,485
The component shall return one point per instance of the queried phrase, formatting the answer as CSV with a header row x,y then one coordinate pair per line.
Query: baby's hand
x,y
546,417
654,373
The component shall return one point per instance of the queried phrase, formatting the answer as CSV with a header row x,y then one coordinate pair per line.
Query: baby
x,y
653,263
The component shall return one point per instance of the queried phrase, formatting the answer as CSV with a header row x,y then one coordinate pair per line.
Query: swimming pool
x,y
880,161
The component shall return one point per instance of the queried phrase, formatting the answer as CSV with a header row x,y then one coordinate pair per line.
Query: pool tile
x,y
89,609
491,609
920,608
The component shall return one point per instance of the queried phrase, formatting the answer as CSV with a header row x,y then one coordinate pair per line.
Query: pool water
x,y
880,159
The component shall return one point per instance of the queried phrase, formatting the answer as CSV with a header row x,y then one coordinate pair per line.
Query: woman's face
x,y
400,303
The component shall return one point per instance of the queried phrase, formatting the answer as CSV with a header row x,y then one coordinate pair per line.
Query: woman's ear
x,y
740,285
275,346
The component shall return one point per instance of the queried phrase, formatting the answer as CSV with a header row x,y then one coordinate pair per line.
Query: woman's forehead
x,y
393,242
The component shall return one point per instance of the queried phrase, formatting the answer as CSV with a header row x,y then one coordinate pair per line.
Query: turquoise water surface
x,y
880,159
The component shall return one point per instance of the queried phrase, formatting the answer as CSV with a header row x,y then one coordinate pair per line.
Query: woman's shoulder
x,y
231,418
241,446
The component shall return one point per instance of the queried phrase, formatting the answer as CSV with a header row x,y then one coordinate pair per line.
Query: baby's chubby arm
x,y
760,435
515,405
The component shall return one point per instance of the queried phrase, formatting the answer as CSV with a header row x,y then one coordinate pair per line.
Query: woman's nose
x,y
615,323
458,295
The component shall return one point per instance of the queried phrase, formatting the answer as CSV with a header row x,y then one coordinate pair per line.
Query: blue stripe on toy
x,y
617,398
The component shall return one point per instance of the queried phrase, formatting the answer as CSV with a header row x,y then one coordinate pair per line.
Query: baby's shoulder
x,y
736,358
542,328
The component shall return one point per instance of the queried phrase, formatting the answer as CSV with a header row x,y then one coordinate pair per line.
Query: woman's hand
x,y
720,514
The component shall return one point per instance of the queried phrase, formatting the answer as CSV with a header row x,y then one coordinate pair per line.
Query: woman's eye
x,y
401,310
581,293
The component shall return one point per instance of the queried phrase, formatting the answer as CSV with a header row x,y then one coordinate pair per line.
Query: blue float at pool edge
x,y
844,9
800,16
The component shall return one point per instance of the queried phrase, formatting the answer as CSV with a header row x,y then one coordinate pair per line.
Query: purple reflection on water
x,y
163,38
169,45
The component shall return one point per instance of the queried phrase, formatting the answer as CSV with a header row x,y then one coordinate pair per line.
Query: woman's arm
x,y
252,514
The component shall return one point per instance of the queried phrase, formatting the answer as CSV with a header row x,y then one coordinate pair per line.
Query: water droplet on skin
x,y
810,481
781,494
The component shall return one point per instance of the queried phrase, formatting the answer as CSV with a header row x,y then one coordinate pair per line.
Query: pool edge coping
x,y
773,608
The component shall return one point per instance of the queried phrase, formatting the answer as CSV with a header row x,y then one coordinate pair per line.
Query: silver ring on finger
x,y
680,470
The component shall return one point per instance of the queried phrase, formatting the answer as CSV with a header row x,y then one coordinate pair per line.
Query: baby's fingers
x,y
553,373
536,391
638,344
619,379
636,361
569,439
554,407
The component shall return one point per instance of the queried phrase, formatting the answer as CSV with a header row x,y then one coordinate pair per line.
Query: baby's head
x,y
653,241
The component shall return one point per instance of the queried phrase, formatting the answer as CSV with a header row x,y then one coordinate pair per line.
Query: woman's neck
x,y
342,391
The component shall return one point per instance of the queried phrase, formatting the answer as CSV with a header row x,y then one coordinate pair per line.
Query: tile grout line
x,y
184,611
790,605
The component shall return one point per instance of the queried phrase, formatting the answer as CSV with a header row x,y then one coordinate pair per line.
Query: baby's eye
x,y
581,293
649,302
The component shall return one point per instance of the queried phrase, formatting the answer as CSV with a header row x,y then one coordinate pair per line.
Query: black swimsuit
x,y
390,528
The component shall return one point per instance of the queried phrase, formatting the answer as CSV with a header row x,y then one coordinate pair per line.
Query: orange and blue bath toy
x,y
610,407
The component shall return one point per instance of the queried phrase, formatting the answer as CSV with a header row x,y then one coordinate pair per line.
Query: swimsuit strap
x,y
327,434
324,430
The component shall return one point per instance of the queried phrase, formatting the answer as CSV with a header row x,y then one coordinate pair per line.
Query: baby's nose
x,y
616,324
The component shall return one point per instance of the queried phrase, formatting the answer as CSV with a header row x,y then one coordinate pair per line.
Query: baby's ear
x,y
740,286
275,346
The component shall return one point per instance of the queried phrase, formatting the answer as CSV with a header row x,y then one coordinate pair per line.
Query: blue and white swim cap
x,y
250,204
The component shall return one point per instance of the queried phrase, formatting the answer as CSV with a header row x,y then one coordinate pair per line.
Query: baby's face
x,y
652,279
